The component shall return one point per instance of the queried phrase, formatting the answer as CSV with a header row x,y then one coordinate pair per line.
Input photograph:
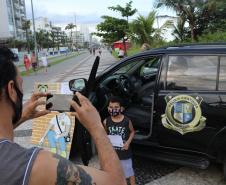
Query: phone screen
x,y
59,102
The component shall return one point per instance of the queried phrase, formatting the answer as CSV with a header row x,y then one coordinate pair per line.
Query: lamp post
x,y
76,34
36,50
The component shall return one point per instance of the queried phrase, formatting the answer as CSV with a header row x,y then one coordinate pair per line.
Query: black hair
x,y
116,99
8,70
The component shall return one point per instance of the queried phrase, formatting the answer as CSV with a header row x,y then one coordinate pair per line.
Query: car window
x,y
222,75
125,68
150,66
192,73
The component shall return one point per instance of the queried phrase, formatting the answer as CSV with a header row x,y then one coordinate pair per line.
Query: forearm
x,y
108,158
130,137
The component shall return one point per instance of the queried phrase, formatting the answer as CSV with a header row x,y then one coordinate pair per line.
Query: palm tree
x,y
70,26
189,10
179,30
25,27
47,35
142,28
53,35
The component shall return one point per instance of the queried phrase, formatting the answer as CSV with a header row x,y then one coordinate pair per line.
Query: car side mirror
x,y
77,84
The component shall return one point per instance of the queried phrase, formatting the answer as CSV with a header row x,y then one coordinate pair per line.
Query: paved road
x,y
147,172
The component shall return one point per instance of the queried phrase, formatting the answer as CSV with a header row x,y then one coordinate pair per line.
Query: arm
x,y
67,130
59,170
30,111
105,126
132,132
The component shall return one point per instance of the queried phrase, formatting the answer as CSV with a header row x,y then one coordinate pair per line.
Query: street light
x,y
36,50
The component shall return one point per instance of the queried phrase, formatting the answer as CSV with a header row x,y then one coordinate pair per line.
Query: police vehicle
x,y
175,97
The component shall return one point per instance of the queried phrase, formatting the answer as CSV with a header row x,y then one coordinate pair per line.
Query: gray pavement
x,y
147,171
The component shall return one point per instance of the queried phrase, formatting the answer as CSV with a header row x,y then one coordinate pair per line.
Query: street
x,y
146,171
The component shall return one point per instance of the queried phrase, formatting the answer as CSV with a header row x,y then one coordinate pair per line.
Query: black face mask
x,y
17,110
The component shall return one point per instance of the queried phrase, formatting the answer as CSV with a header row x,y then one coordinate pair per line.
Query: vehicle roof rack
x,y
190,44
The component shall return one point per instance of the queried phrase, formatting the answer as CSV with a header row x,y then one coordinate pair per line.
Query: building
x,y
12,16
119,44
84,29
43,24
80,38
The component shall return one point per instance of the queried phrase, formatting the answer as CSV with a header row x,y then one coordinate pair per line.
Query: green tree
x,y
179,30
19,45
26,27
70,26
217,21
53,35
142,30
125,12
40,38
112,29
189,10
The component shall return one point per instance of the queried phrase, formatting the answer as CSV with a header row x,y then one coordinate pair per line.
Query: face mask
x,y
114,112
17,110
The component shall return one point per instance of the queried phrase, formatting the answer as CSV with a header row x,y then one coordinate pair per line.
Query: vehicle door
x,y
138,105
82,136
190,106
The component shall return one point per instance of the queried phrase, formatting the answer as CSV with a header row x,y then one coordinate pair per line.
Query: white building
x,y
80,38
84,29
12,15
42,24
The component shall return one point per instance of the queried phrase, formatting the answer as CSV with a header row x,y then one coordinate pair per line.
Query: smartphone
x,y
60,102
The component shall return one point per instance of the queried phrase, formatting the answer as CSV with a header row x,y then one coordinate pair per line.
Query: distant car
x,y
175,97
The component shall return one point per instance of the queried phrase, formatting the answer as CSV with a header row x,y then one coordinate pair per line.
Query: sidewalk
x,y
51,58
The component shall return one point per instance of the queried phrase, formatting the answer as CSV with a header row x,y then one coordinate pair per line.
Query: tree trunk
x,y
192,30
124,44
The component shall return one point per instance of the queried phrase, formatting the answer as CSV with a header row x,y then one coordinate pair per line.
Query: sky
x,y
88,12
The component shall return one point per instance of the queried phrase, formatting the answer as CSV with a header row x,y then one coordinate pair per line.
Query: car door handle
x,y
146,76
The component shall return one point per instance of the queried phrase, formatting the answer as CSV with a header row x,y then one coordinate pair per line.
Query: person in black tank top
x,y
118,124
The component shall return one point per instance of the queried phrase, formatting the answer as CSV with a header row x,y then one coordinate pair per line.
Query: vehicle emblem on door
x,y
183,113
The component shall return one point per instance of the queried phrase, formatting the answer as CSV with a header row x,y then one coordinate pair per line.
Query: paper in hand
x,y
116,140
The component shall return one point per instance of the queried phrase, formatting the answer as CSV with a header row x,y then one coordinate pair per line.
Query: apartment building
x,y
12,15
42,24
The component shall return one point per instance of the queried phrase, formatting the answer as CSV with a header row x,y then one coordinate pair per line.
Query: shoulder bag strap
x,y
58,123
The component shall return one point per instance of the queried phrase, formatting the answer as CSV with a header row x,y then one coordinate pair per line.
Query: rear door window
x,y
222,75
192,73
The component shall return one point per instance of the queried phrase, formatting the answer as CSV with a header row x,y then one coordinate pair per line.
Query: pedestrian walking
x,y
94,51
120,53
90,51
27,64
34,62
111,50
100,51
44,62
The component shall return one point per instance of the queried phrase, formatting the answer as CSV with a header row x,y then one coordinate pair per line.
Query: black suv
x,y
175,97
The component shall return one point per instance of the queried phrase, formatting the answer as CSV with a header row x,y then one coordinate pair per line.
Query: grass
x,y
24,73
133,50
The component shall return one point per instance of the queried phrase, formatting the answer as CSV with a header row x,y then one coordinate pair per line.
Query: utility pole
x,y
36,50
76,34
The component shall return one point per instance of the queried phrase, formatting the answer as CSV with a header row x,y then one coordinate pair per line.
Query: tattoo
x,y
70,174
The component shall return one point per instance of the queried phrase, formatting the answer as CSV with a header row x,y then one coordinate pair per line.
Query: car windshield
x,y
126,68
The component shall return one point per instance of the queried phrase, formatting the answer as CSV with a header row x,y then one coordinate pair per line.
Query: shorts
x,y
120,56
127,167
34,65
